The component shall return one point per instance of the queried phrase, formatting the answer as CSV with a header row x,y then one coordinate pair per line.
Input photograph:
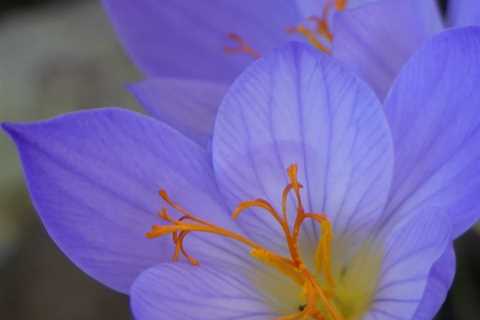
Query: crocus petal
x,y
439,282
183,38
183,292
433,114
94,178
187,105
410,252
310,8
463,12
299,106
376,39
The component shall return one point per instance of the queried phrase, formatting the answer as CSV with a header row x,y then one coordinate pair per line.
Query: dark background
x,y
59,56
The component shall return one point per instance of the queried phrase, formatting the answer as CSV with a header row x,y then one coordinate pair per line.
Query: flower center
x,y
317,32
320,35
321,297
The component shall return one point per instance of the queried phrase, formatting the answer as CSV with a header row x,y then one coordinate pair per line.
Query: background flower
x,y
181,48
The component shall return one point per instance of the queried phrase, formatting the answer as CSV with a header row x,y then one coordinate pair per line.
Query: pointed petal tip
x,y
12,130
7,126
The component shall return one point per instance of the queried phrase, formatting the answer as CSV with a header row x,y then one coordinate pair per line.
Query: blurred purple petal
x,y
310,8
463,12
183,292
94,179
186,39
411,250
439,282
433,111
376,39
189,106
299,106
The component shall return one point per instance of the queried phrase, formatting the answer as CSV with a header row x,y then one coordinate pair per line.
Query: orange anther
x,y
340,5
322,28
293,267
310,35
241,46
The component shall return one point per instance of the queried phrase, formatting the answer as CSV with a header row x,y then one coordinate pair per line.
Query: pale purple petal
x,y
359,3
190,106
463,12
310,8
439,282
186,39
433,111
409,254
183,292
94,178
299,106
376,39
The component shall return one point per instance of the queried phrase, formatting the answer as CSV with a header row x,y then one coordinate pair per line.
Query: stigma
x,y
318,298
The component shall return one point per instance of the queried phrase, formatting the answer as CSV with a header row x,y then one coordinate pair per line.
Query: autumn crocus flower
x,y
190,51
343,209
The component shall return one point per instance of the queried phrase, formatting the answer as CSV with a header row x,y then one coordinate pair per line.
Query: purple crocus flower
x,y
180,45
191,51
349,208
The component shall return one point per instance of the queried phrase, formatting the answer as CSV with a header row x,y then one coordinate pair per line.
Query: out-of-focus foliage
x,y
55,57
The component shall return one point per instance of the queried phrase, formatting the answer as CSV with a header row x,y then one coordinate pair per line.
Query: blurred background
x,y
60,56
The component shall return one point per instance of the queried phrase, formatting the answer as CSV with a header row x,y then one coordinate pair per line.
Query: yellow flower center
x,y
325,285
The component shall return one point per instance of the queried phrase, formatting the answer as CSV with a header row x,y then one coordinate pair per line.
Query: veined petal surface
x,y
376,39
410,251
187,105
433,114
94,178
183,292
299,106
186,39
439,282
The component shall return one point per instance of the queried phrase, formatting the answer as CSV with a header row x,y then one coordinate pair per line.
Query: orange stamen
x,y
292,266
322,28
242,46
310,35
341,5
